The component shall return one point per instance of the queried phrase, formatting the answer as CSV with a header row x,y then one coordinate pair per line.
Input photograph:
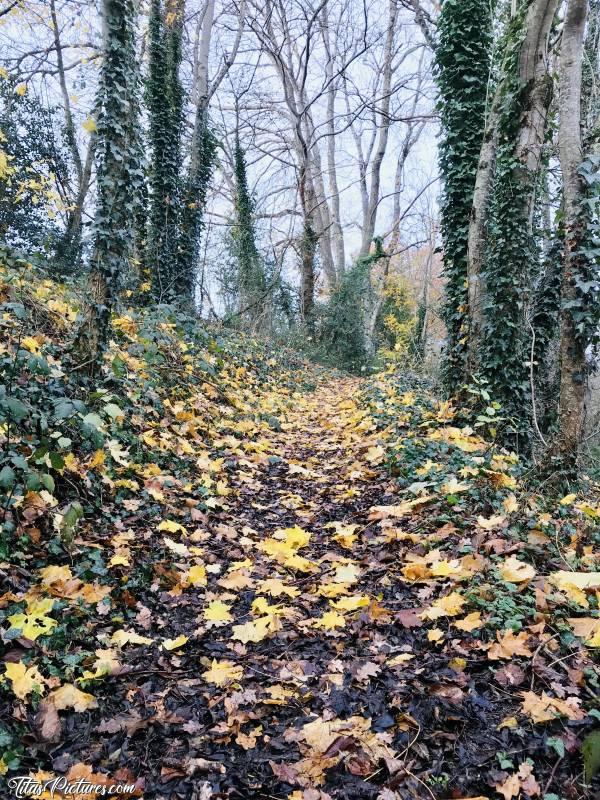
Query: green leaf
x,y
15,408
94,421
7,477
48,481
591,754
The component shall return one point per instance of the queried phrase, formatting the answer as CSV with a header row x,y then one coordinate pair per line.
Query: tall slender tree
x,y
119,176
164,97
463,67
251,275
512,257
579,318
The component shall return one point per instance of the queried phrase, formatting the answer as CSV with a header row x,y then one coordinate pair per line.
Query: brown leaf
x,y
285,772
340,745
409,618
360,765
510,675
47,722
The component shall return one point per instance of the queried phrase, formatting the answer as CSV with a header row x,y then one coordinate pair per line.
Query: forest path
x,y
312,670
305,638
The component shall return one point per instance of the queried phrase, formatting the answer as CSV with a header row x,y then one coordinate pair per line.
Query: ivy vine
x,y
462,71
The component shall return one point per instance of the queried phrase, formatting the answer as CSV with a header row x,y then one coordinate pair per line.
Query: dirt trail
x,y
308,671
341,690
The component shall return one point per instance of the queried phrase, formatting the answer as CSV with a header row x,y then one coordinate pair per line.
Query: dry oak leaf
x,y
47,722
509,645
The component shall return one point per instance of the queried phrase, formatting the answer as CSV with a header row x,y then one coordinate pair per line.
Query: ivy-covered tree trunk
x,y
512,258
578,317
463,65
251,276
202,161
203,149
164,96
119,177
307,251
477,237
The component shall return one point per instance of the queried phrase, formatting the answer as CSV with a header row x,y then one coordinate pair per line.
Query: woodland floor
x,y
325,682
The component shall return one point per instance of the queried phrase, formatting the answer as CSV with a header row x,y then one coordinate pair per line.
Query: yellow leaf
x,y
120,559
173,644
54,574
470,622
346,573
448,606
171,526
375,454
89,125
21,89
123,637
400,659
295,537
435,635
515,571
491,522
276,587
568,499
217,611
35,621
253,631
510,504
330,620
223,672
574,584
32,344
24,679
69,696
176,547
453,486
351,603
587,628
196,575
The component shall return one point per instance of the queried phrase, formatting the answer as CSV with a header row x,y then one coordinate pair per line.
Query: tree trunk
x,y
337,233
383,111
478,236
308,246
119,176
573,369
512,253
